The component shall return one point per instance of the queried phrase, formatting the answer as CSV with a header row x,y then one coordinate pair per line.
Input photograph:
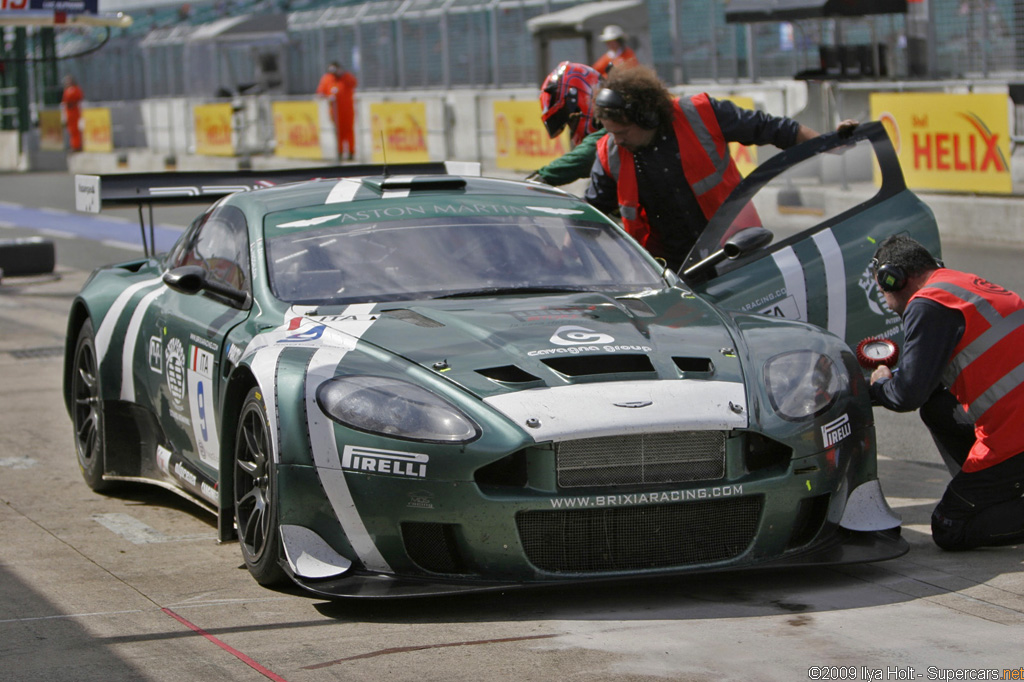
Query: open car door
x,y
815,265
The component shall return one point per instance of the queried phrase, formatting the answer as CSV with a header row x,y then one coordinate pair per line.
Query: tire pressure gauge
x,y
874,352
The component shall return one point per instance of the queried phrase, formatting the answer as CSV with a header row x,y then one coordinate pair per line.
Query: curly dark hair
x,y
643,91
906,253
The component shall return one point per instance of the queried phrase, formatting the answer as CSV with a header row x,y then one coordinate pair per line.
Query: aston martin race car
x,y
415,380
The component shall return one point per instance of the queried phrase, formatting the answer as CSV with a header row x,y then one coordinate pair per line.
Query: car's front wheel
x,y
255,494
87,410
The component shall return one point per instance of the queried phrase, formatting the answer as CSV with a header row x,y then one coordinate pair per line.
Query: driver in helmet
x,y
565,100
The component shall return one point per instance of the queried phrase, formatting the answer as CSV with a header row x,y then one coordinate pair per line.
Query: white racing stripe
x,y
835,280
323,366
793,278
131,342
264,367
106,328
342,192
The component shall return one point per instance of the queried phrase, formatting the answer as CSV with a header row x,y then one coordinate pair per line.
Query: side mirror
x,y
187,279
740,244
192,279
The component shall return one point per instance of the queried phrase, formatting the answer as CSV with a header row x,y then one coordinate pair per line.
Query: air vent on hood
x,y
508,374
612,363
637,307
412,317
690,365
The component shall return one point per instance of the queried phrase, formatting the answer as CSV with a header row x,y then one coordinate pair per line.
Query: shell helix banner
x,y
744,156
398,131
520,139
213,129
98,135
958,143
51,130
297,130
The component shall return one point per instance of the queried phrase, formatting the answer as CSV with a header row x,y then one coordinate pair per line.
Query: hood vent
x,y
637,307
692,365
412,317
508,374
612,363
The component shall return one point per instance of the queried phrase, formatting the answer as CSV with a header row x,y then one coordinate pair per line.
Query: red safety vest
x,y
703,150
985,373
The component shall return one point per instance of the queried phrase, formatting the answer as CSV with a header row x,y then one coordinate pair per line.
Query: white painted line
x,y
8,204
121,245
922,528
895,502
17,462
138,533
63,616
57,233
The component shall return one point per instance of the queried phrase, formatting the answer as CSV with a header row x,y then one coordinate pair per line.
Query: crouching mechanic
x,y
967,334
565,100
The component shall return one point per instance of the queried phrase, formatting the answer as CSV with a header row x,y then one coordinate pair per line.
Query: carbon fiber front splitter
x,y
844,547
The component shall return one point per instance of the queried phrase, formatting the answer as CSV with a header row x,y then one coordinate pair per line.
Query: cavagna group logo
x,y
572,335
573,339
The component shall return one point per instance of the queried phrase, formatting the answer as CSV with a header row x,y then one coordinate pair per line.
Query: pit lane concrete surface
x,y
134,587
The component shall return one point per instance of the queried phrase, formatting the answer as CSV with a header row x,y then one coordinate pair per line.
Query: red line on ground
x,y
234,652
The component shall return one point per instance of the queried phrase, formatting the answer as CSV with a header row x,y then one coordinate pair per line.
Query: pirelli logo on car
x,y
387,462
836,430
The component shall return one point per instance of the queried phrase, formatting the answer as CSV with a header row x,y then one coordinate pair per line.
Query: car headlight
x,y
802,384
395,408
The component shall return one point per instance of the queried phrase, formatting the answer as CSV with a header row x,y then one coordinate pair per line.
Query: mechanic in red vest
x,y
962,364
665,164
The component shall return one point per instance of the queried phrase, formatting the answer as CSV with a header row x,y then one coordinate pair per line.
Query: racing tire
x,y
27,256
87,411
256,494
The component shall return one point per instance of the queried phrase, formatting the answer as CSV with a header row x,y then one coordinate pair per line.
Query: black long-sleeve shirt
x,y
932,331
673,213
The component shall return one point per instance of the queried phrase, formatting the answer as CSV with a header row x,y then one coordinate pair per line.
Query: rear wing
x,y
94,192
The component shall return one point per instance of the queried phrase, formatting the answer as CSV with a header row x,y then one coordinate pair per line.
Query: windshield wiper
x,y
502,291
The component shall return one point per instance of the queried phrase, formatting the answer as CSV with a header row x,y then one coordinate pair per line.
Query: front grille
x,y
644,458
638,538
433,547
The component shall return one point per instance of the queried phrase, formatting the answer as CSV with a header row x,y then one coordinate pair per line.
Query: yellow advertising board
x,y
520,139
958,143
99,136
51,130
213,129
744,156
297,130
399,132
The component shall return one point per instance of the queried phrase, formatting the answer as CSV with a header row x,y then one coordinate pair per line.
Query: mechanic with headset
x,y
665,164
565,100
967,334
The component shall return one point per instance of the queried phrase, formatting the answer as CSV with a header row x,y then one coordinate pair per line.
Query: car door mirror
x,y
192,279
740,244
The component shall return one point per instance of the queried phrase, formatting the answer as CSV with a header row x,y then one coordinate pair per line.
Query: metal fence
x,y
406,44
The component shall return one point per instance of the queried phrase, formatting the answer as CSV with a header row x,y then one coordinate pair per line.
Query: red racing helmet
x,y
565,99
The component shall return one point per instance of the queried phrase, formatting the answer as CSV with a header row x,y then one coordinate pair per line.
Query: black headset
x,y
610,99
890,278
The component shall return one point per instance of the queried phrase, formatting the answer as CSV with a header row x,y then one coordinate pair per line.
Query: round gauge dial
x,y
873,352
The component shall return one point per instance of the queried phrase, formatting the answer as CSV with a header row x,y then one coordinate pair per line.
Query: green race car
x,y
412,382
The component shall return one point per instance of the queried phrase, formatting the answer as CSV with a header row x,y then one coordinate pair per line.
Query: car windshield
x,y
384,251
